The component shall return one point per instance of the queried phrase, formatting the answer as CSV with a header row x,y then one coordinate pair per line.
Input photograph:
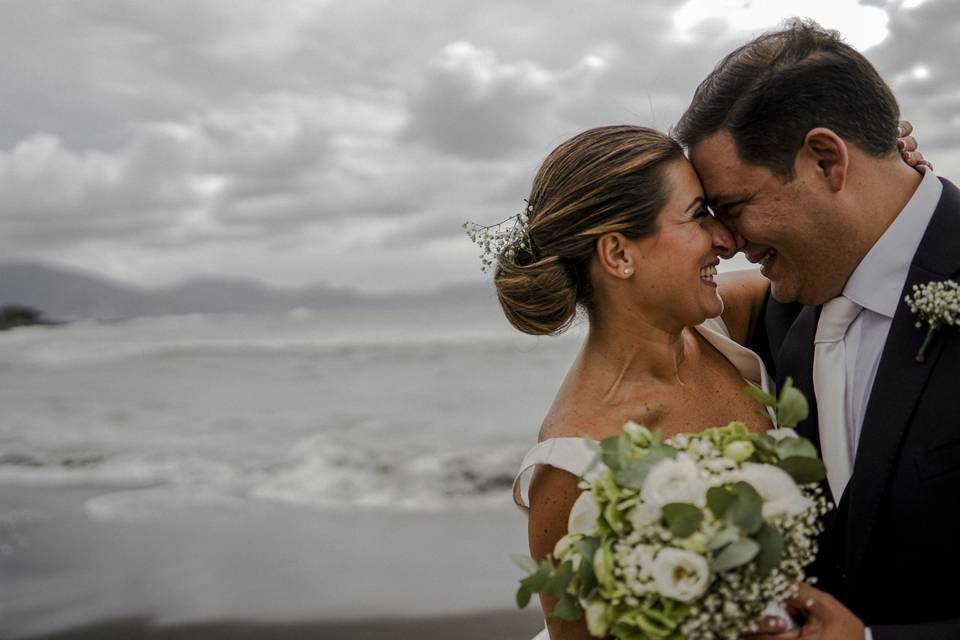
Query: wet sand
x,y
511,625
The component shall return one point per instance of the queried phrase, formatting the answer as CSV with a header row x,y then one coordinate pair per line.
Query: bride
x,y
617,225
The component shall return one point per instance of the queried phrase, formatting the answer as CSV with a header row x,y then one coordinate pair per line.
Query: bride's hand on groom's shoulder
x,y
908,146
825,618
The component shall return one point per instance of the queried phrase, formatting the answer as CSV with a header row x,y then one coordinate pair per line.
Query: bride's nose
x,y
723,240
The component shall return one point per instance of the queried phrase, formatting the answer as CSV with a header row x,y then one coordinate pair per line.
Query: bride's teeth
x,y
707,273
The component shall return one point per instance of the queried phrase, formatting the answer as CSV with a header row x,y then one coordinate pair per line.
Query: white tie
x,y
829,385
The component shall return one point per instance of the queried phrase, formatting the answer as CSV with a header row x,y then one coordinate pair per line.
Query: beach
x,y
279,476
493,624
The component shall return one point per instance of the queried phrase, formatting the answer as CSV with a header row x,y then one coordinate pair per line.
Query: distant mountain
x,y
64,294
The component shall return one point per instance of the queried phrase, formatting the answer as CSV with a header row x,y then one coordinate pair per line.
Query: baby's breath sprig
x,y
937,303
502,238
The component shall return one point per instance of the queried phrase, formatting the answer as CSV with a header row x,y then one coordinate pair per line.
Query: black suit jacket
x,y
891,549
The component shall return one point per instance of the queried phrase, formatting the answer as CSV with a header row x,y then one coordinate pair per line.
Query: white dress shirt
x,y
876,285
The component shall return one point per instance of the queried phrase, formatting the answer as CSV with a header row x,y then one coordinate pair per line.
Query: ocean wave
x,y
79,354
323,473
318,472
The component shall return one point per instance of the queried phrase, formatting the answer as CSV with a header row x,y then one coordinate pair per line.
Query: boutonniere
x,y
937,303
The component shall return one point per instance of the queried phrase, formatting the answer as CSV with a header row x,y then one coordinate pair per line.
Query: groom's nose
x,y
737,240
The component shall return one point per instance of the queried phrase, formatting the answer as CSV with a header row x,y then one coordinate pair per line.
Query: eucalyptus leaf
x,y
594,446
526,563
632,474
556,586
535,581
567,609
760,396
682,519
771,549
585,575
635,470
736,555
723,538
746,509
615,451
804,470
800,447
792,409
719,500
523,597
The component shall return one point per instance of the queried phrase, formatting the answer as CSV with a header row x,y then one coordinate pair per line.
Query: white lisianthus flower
x,y
595,612
643,515
718,465
583,515
781,433
781,495
675,481
681,575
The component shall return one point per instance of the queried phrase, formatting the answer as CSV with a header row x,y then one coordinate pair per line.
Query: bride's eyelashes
x,y
702,212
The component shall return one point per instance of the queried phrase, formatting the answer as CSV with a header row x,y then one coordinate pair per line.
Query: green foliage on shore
x,y
20,316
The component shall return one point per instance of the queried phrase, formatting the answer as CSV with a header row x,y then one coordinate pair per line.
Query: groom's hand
x,y
825,619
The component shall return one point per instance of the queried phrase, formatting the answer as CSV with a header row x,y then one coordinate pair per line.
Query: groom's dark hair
x,y
771,91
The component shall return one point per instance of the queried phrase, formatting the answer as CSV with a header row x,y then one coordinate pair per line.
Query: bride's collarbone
x,y
710,400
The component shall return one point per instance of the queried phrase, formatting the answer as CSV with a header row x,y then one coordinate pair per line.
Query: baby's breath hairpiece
x,y
502,238
939,304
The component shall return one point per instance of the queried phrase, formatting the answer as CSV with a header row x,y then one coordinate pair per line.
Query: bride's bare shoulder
x,y
594,419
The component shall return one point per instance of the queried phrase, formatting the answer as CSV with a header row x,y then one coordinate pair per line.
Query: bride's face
x,y
675,265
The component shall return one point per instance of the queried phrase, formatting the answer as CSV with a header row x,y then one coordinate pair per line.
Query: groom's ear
x,y
825,155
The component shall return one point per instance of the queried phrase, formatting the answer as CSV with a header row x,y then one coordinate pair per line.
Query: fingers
x,y
915,158
907,143
806,597
786,635
904,128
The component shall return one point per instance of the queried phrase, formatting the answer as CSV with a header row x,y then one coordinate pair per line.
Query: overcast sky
x,y
299,141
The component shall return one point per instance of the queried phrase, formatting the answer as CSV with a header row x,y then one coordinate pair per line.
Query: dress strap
x,y
572,455
749,364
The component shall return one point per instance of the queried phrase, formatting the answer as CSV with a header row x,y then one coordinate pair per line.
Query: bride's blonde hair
x,y
604,180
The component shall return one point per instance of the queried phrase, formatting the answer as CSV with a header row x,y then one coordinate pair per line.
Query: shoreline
x,y
507,624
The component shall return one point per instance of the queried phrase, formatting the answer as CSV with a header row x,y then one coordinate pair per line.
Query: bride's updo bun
x,y
604,180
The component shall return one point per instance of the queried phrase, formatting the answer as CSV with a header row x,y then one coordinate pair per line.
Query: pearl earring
x,y
626,272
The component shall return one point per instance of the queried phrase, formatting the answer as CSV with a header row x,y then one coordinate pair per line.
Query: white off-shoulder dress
x,y
573,455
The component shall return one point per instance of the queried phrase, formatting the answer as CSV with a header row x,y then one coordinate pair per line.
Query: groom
x,y
793,136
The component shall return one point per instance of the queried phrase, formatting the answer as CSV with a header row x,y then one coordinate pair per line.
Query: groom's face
x,y
779,225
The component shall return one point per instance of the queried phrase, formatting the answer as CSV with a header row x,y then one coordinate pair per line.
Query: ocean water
x,y
186,441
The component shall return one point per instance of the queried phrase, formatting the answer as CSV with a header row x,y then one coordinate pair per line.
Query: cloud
x,y
476,106
301,140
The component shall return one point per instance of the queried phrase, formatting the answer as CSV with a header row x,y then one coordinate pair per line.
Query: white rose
x,y
781,495
681,575
596,614
783,432
644,515
675,481
583,515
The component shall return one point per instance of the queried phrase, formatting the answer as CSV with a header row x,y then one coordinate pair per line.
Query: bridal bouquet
x,y
693,537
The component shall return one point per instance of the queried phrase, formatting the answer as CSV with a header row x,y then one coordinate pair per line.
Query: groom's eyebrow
x,y
726,202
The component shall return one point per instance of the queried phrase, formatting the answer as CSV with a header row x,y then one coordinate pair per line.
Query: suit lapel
x,y
900,380
795,359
